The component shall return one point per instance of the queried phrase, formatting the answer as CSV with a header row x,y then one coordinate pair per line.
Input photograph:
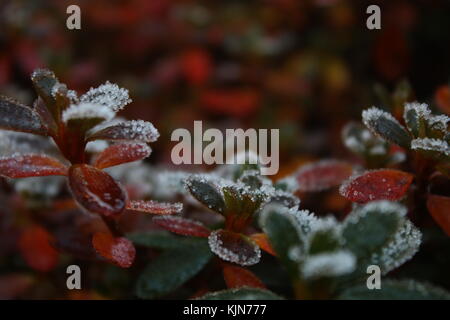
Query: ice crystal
x,y
328,264
87,110
429,144
382,207
108,95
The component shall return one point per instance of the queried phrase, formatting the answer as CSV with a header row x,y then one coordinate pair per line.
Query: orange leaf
x,y
384,184
31,165
442,98
439,208
119,251
183,226
263,242
96,191
236,277
122,153
35,247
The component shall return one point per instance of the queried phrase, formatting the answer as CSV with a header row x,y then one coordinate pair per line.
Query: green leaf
x,y
243,293
206,193
324,240
385,125
240,201
171,270
163,240
369,228
396,290
18,117
283,233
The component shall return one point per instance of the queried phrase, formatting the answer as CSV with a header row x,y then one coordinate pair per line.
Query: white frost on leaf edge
x,y
87,110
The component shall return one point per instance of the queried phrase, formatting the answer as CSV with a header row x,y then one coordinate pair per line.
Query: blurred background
x,y
306,67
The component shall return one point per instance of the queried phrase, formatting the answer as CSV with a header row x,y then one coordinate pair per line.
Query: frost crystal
x,y
108,95
382,207
400,249
429,144
329,264
87,110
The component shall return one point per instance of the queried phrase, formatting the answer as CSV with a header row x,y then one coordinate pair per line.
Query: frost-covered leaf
x,y
437,126
122,153
119,251
172,269
241,294
262,241
442,98
163,240
234,247
396,290
328,264
236,277
137,130
432,147
322,175
18,117
204,191
327,238
385,125
35,245
107,95
378,233
283,232
383,184
155,207
96,191
415,115
31,165
182,226
401,248
43,81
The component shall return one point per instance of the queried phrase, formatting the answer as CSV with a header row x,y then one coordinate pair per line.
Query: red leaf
x,y
18,117
236,277
234,247
322,175
31,165
122,153
35,247
439,208
196,66
96,191
155,207
384,184
238,103
183,226
119,251
263,242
